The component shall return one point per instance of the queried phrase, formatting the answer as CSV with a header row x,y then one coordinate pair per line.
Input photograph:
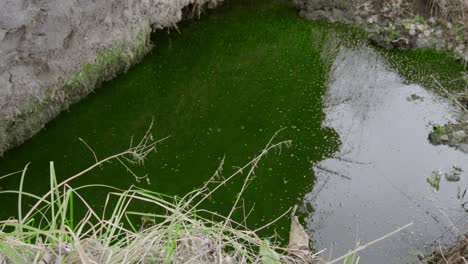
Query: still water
x,y
220,88
377,181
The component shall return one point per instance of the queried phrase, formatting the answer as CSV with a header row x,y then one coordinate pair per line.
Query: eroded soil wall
x,y
54,52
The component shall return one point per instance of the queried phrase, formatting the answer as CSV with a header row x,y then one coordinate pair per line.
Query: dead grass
x,y
456,254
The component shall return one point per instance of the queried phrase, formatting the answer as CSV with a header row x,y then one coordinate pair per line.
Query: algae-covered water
x,y
220,88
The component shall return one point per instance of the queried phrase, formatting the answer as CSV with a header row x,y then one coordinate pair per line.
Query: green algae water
x,y
220,88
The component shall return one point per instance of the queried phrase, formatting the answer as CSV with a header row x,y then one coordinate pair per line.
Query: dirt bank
x,y
403,24
54,52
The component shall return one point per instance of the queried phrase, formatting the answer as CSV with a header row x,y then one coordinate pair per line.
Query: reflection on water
x,y
377,181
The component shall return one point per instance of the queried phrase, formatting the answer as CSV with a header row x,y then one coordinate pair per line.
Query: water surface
x,y
377,181
219,88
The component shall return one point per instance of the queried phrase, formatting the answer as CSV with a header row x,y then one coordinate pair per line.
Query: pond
x,y
219,90
377,182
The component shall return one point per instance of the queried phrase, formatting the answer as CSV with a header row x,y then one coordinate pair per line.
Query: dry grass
x,y
450,10
457,254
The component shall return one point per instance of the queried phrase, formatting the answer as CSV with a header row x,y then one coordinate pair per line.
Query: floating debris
x,y
415,97
454,175
434,179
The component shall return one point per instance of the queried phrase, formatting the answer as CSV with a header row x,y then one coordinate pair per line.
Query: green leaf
x,y
269,256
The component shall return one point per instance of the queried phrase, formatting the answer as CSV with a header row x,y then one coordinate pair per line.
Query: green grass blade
x,y
20,194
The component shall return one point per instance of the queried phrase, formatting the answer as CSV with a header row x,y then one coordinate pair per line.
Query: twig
x,y
90,149
333,172
449,94
360,248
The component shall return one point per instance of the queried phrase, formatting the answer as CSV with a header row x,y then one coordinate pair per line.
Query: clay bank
x,y
53,53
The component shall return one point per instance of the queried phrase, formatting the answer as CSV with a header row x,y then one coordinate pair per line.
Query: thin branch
x,y
360,248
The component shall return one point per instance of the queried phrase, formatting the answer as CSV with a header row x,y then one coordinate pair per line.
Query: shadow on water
x,y
220,88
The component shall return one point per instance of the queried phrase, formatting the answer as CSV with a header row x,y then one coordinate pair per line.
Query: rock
x,y
423,41
459,135
435,139
359,20
464,118
464,148
444,138
421,27
331,10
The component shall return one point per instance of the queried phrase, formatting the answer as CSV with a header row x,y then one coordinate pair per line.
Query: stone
x,y
444,137
435,139
423,41
459,135
464,148
331,10
464,118
359,20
